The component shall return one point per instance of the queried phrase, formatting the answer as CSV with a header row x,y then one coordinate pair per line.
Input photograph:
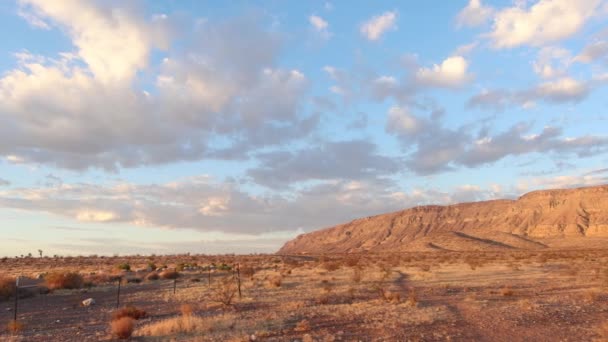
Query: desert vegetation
x,y
460,296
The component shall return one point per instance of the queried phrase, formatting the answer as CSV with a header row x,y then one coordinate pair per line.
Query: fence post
x,y
238,277
118,293
174,285
209,275
16,297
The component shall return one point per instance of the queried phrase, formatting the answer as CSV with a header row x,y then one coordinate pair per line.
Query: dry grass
x,y
128,311
507,292
186,310
14,327
224,291
64,280
122,328
188,324
7,287
169,274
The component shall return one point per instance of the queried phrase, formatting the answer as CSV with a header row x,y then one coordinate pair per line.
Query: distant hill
x,y
540,219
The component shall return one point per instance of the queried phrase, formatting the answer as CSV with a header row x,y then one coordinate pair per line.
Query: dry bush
x,y
412,300
64,280
590,296
152,276
506,292
7,287
14,327
128,311
224,291
275,280
174,326
122,328
247,272
169,274
186,309
388,296
302,326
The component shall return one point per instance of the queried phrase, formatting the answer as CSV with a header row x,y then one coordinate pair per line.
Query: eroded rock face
x,y
499,224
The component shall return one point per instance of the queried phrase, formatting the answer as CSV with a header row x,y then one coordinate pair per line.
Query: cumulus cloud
x,y
433,148
114,42
374,28
66,114
565,89
474,14
544,22
451,73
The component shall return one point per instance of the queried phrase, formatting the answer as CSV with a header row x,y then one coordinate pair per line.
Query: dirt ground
x,y
443,296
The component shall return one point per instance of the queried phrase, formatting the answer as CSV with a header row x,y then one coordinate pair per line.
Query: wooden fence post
x,y
118,293
16,298
238,277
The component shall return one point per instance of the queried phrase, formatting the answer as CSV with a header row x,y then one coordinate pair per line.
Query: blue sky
x,y
188,126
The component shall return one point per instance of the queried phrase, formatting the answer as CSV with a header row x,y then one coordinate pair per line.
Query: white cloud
x,y
451,73
320,26
474,14
401,121
58,112
374,28
563,90
114,42
318,23
545,22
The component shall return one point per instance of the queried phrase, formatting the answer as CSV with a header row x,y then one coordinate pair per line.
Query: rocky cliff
x,y
535,220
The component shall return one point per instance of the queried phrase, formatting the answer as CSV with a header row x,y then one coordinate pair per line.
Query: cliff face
x,y
527,222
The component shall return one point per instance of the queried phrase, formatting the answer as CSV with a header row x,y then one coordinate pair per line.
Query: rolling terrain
x,y
564,218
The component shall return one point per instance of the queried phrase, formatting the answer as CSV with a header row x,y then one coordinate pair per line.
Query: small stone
x,y
88,302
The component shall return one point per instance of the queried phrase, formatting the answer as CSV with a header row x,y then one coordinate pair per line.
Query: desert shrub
x,y
128,311
387,295
64,280
169,274
412,300
302,326
276,280
122,328
247,272
14,327
152,276
224,291
151,265
186,309
174,326
124,266
7,287
506,291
